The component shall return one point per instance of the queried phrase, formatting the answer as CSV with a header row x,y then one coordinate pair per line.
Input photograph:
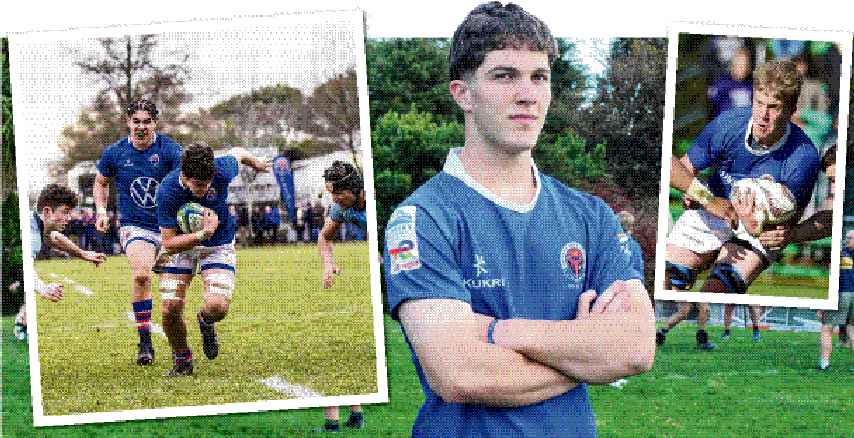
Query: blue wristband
x,y
490,331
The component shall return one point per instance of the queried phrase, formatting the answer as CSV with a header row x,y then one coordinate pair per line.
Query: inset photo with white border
x,y
753,117
198,218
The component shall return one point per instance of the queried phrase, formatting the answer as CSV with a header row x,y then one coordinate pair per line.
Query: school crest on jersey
x,y
211,194
154,159
572,261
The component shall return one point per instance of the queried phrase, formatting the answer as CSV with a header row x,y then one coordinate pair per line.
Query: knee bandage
x,y
169,289
729,277
220,284
681,276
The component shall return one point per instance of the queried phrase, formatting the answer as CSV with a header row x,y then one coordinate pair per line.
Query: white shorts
x,y
129,233
202,258
703,232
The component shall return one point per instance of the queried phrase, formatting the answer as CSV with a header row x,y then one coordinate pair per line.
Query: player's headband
x,y
350,180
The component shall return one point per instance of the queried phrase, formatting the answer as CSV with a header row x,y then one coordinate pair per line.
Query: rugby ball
x,y
773,202
190,217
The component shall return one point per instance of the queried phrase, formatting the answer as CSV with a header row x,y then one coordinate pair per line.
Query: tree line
x,y
126,69
602,134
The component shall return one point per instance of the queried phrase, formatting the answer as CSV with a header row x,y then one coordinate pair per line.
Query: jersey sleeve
x,y
419,259
167,208
637,257
800,173
174,156
610,262
107,164
336,213
227,165
707,147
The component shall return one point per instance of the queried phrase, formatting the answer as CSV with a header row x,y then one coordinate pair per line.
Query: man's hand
x,y
210,221
95,257
52,292
776,238
585,300
329,273
102,223
616,299
260,165
160,260
744,204
723,209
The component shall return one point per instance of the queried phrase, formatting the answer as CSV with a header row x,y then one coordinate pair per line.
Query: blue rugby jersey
x,y
138,175
36,235
350,215
172,195
723,144
633,249
452,239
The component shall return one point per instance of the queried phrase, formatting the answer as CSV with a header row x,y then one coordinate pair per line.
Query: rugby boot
x,y
703,341
183,368
356,421
145,355
660,337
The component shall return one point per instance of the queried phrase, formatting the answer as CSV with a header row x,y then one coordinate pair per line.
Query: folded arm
x,y
611,341
449,340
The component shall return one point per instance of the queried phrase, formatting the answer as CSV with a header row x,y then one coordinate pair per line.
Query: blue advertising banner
x,y
285,178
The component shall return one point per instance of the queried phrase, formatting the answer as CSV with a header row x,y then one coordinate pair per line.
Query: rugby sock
x,y
205,319
331,426
355,421
182,356
823,364
142,313
702,337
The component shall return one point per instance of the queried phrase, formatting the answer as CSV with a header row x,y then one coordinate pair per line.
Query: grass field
x,y
770,388
768,284
281,323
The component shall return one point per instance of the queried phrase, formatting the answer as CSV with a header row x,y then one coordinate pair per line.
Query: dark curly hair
x,y
492,26
829,157
54,196
343,176
197,162
142,105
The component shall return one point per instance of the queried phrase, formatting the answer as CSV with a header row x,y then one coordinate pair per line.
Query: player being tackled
x,y
764,164
202,244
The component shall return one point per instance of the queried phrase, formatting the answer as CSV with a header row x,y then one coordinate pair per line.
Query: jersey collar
x,y
748,143
454,167
153,140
